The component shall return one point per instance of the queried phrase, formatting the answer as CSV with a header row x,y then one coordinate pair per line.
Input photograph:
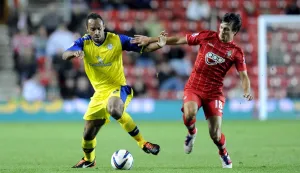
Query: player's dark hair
x,y
235,19
93,16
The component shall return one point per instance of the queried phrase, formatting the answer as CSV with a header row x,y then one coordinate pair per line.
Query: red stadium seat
x,y
293,81
150,72
277,81
165,15
277,70
220,5
264,4
151,83
293,70
234,4
131,71
125,26
279,4
153,93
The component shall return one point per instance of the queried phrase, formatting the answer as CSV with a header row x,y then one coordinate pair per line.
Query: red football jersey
x,y
213,61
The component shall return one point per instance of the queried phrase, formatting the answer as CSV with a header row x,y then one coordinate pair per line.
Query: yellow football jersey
x,y
103,62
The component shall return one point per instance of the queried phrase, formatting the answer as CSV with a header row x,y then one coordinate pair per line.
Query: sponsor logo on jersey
x,y
213,59
109,46
100,63
229,53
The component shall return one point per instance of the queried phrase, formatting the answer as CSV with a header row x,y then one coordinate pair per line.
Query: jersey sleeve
x,y
126,45
77,45
197,38
240,63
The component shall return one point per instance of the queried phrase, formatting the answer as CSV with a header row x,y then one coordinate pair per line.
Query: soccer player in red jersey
x,y
216,54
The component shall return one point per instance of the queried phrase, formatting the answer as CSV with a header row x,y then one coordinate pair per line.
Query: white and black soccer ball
x,y
121,159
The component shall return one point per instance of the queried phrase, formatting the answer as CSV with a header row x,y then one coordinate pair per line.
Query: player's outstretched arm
x,y
75,50
246,85
142,40
162,39
68,55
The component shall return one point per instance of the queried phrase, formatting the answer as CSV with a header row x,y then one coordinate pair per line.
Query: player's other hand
x,y
162,39
79,54
248,96
141,40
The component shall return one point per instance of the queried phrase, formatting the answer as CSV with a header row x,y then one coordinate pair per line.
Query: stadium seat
x,y
231,4
277,70
153,93
264,4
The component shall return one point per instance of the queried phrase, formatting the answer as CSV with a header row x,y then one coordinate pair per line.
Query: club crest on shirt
x,y
213,59
109,46
228,54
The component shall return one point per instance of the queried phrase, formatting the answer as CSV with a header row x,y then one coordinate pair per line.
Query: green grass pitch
x,y
271,146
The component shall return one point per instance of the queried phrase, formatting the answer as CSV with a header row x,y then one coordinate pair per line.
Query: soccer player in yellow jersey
x,y
102,55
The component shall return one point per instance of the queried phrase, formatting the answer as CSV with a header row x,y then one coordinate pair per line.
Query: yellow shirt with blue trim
x,y
103,62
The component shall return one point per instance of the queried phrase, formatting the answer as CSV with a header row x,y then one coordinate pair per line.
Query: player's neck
x,y
226,41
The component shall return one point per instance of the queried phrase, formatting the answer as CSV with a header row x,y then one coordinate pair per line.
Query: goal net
x,y
279,67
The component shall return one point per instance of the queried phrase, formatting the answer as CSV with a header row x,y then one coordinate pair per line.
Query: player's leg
x,y
115,107
213,112
191,105
91,128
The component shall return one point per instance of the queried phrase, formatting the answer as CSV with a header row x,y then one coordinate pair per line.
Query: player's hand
x,y
162,39
79,54
248,96
141,40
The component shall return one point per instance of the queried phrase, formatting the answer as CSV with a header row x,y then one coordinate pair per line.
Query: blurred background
x,y
34,80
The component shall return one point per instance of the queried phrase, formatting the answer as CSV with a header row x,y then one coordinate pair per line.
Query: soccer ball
x,y
121,159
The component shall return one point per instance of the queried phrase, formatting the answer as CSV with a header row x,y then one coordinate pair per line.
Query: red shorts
x,y
211,107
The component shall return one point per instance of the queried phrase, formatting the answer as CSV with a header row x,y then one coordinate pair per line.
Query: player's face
x,y
225,32
95,29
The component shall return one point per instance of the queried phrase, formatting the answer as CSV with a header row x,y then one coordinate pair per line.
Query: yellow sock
x,y
128,124
89,149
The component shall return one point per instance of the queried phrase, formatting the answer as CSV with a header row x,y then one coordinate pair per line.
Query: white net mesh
x,y
279,57
283,60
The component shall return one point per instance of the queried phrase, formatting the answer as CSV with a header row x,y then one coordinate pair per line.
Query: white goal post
x,y
263,22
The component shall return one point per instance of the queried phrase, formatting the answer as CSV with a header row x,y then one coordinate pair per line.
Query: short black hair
x,y
235,19
93,16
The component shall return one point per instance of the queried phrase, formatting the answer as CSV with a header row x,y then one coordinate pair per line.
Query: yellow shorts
x,y
97,108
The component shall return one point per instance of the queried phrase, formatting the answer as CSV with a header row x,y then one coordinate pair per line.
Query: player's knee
x,y
116,112
190,114
115,107
190,110
88,136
